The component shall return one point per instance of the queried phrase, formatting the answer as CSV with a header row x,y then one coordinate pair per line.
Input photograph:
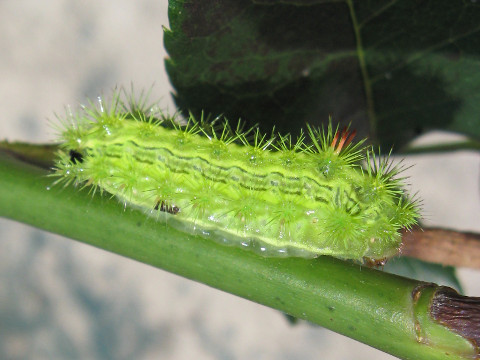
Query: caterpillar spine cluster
x,y
276,195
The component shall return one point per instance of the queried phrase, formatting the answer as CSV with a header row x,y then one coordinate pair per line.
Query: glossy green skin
x,y
276,202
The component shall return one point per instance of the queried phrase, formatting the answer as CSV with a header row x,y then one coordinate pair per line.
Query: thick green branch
x,y
388,312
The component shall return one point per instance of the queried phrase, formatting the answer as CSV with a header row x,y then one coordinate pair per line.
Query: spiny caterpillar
x,y
272,194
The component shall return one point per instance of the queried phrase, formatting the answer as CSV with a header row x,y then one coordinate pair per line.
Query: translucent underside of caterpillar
x,y
319,194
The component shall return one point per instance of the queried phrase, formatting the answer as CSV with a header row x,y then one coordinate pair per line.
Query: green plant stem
x,y
388,312
467,145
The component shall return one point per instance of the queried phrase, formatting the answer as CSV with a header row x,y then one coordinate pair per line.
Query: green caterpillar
x,y
270,194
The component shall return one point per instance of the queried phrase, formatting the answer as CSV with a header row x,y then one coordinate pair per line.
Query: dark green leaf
x,y
394,69
424,271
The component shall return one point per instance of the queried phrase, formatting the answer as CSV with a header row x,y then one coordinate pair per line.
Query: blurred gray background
x,y
60,299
